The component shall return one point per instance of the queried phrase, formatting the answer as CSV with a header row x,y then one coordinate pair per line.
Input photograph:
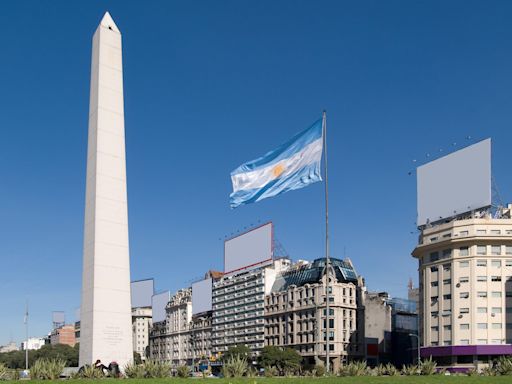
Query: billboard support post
x,y
327,257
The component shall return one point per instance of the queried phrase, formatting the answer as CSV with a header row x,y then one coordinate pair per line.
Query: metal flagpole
x,y
327,257
26,333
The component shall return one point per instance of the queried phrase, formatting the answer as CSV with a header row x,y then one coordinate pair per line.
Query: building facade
x,y
182,339
238,307
296,316
142,319
33,343
63,335
465,275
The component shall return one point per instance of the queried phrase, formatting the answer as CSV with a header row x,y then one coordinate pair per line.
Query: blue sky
x,y
209,85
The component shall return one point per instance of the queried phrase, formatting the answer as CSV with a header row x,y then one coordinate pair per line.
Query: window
x,y
446,267
481,249
434,284
434,256
463,279
447,297
495,278
432,239
447,327
508,263
481,263
434,328
495,294
481,231
481,294
464,341
463,251
447,281
481,341
447,253
464,327
481,310
464,310
434,269
496,325
481,325
445,235
495,232
464,233
447,312
464,295
433,300
496,310
481,278
496,263
434,313
496,250
463,264
508,249
496,341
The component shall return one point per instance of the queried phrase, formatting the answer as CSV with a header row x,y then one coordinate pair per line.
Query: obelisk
x,y
105,316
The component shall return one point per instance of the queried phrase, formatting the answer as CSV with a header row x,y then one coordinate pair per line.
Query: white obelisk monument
x,y
105,315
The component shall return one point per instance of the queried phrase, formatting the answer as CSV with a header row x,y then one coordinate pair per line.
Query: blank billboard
x,y
202,296
249,249
58,317
158,304
457,183
142,291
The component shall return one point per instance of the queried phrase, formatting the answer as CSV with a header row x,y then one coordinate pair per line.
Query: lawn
x,y
327,380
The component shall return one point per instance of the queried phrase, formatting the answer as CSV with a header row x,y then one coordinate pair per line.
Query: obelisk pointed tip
x,y
108,22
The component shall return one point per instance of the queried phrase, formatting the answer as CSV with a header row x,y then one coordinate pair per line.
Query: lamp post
x,y
418,338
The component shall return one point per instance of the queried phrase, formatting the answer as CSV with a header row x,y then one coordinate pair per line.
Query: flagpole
x,y
26,333
327,256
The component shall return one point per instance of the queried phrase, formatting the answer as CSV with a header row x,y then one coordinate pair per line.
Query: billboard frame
x,y
263,262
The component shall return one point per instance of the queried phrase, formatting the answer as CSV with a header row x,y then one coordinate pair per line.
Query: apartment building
x,y
296,315
465,268
141,324
238,302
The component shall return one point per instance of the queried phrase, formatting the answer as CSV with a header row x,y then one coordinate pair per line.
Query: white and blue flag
x,y
293,165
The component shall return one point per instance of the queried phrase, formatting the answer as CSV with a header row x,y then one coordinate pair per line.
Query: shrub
x,y
47,369
354,368
391,370
488,371
183,371
134,371
319,370
428,367
472,372
156,369
504,366
88,371
410,370
4,372
236,366
271,371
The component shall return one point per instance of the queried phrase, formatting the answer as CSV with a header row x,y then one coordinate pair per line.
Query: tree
x,y
240,350
286,360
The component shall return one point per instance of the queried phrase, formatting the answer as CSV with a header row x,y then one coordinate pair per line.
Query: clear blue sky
x,y
211,84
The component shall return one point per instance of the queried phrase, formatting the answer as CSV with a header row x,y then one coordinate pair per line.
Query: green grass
x,y
282,380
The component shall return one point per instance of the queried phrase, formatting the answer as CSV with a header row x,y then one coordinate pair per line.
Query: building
x,y
377,327
239,304
9,347
404,331
465,270
32,343
63,335
142,319
182,339
295,312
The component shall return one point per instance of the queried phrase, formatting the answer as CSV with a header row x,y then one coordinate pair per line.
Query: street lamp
x,y
417,337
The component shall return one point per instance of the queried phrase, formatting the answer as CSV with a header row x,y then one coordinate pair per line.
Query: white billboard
x,y
454,184
158,304
202,296
248,249
141,292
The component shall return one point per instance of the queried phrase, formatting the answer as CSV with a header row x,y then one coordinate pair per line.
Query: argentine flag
x,y
293,165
